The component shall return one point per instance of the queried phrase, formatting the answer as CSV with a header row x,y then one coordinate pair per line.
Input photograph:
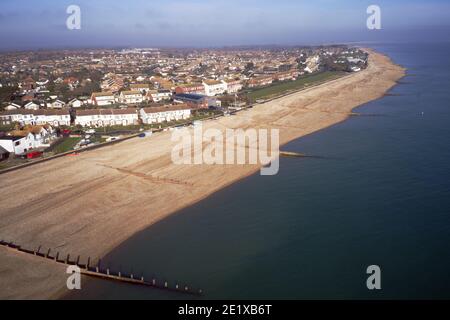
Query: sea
x,y
375,193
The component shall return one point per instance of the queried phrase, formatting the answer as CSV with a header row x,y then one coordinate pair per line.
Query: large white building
x,y
36,117
214,88
131,97
107,117
102,99
232,86
22,141
17,144
159,95
160,114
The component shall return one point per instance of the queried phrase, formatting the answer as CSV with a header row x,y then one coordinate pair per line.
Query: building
x,y
131,97
31,106
36,117
194,101
76,103
12,106
4,154
101,99
260,81
190,89
214,88
112,83
107,117
161,114
18,144
143,88
159,95
232,86
284,76
56,104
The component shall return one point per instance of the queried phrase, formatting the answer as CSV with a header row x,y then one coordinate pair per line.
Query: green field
x,y
280,88
66,145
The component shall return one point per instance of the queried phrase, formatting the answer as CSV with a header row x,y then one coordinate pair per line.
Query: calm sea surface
x,y
380,195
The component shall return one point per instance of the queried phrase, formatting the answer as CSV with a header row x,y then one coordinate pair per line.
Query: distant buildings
x,y
107,117
102,99
260,81
131,97
214,87
36,117
233,86
159,95
30,137
160,114
190,89
195,101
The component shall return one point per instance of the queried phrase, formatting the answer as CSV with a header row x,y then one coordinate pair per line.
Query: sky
x,y
41,24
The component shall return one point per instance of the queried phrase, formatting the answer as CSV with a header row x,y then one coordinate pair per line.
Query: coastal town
x,y
59,101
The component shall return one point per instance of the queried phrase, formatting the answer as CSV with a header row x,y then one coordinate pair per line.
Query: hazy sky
x,y
149,23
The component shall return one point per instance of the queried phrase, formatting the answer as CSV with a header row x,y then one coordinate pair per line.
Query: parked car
x,y
34,154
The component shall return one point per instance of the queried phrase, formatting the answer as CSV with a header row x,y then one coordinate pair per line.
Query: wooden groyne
x,y
97,271
292,154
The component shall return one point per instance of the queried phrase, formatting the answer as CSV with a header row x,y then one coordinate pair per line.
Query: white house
x,y
56,104
143,88
18,144
12,106
76,103
232,86
160,114
107,117
103,98
31,106
159,95
36,117
214,88
131,97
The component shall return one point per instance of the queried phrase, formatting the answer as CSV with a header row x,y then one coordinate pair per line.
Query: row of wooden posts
x,y
98,272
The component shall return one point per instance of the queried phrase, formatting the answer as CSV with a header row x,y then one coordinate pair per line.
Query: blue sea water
x,y
380,195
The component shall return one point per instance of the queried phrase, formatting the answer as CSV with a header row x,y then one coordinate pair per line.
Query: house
x,y
76,103
168,113
42,134
31,106
17,144
103,98
56,104
214,88
112,83
131,97
260,81
159,95
190,89
232,86
284,76
161,83
143,88
36,117
194,101
4,154
12,106
107,117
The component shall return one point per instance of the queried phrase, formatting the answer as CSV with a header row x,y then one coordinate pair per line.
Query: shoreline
x,y
113,202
